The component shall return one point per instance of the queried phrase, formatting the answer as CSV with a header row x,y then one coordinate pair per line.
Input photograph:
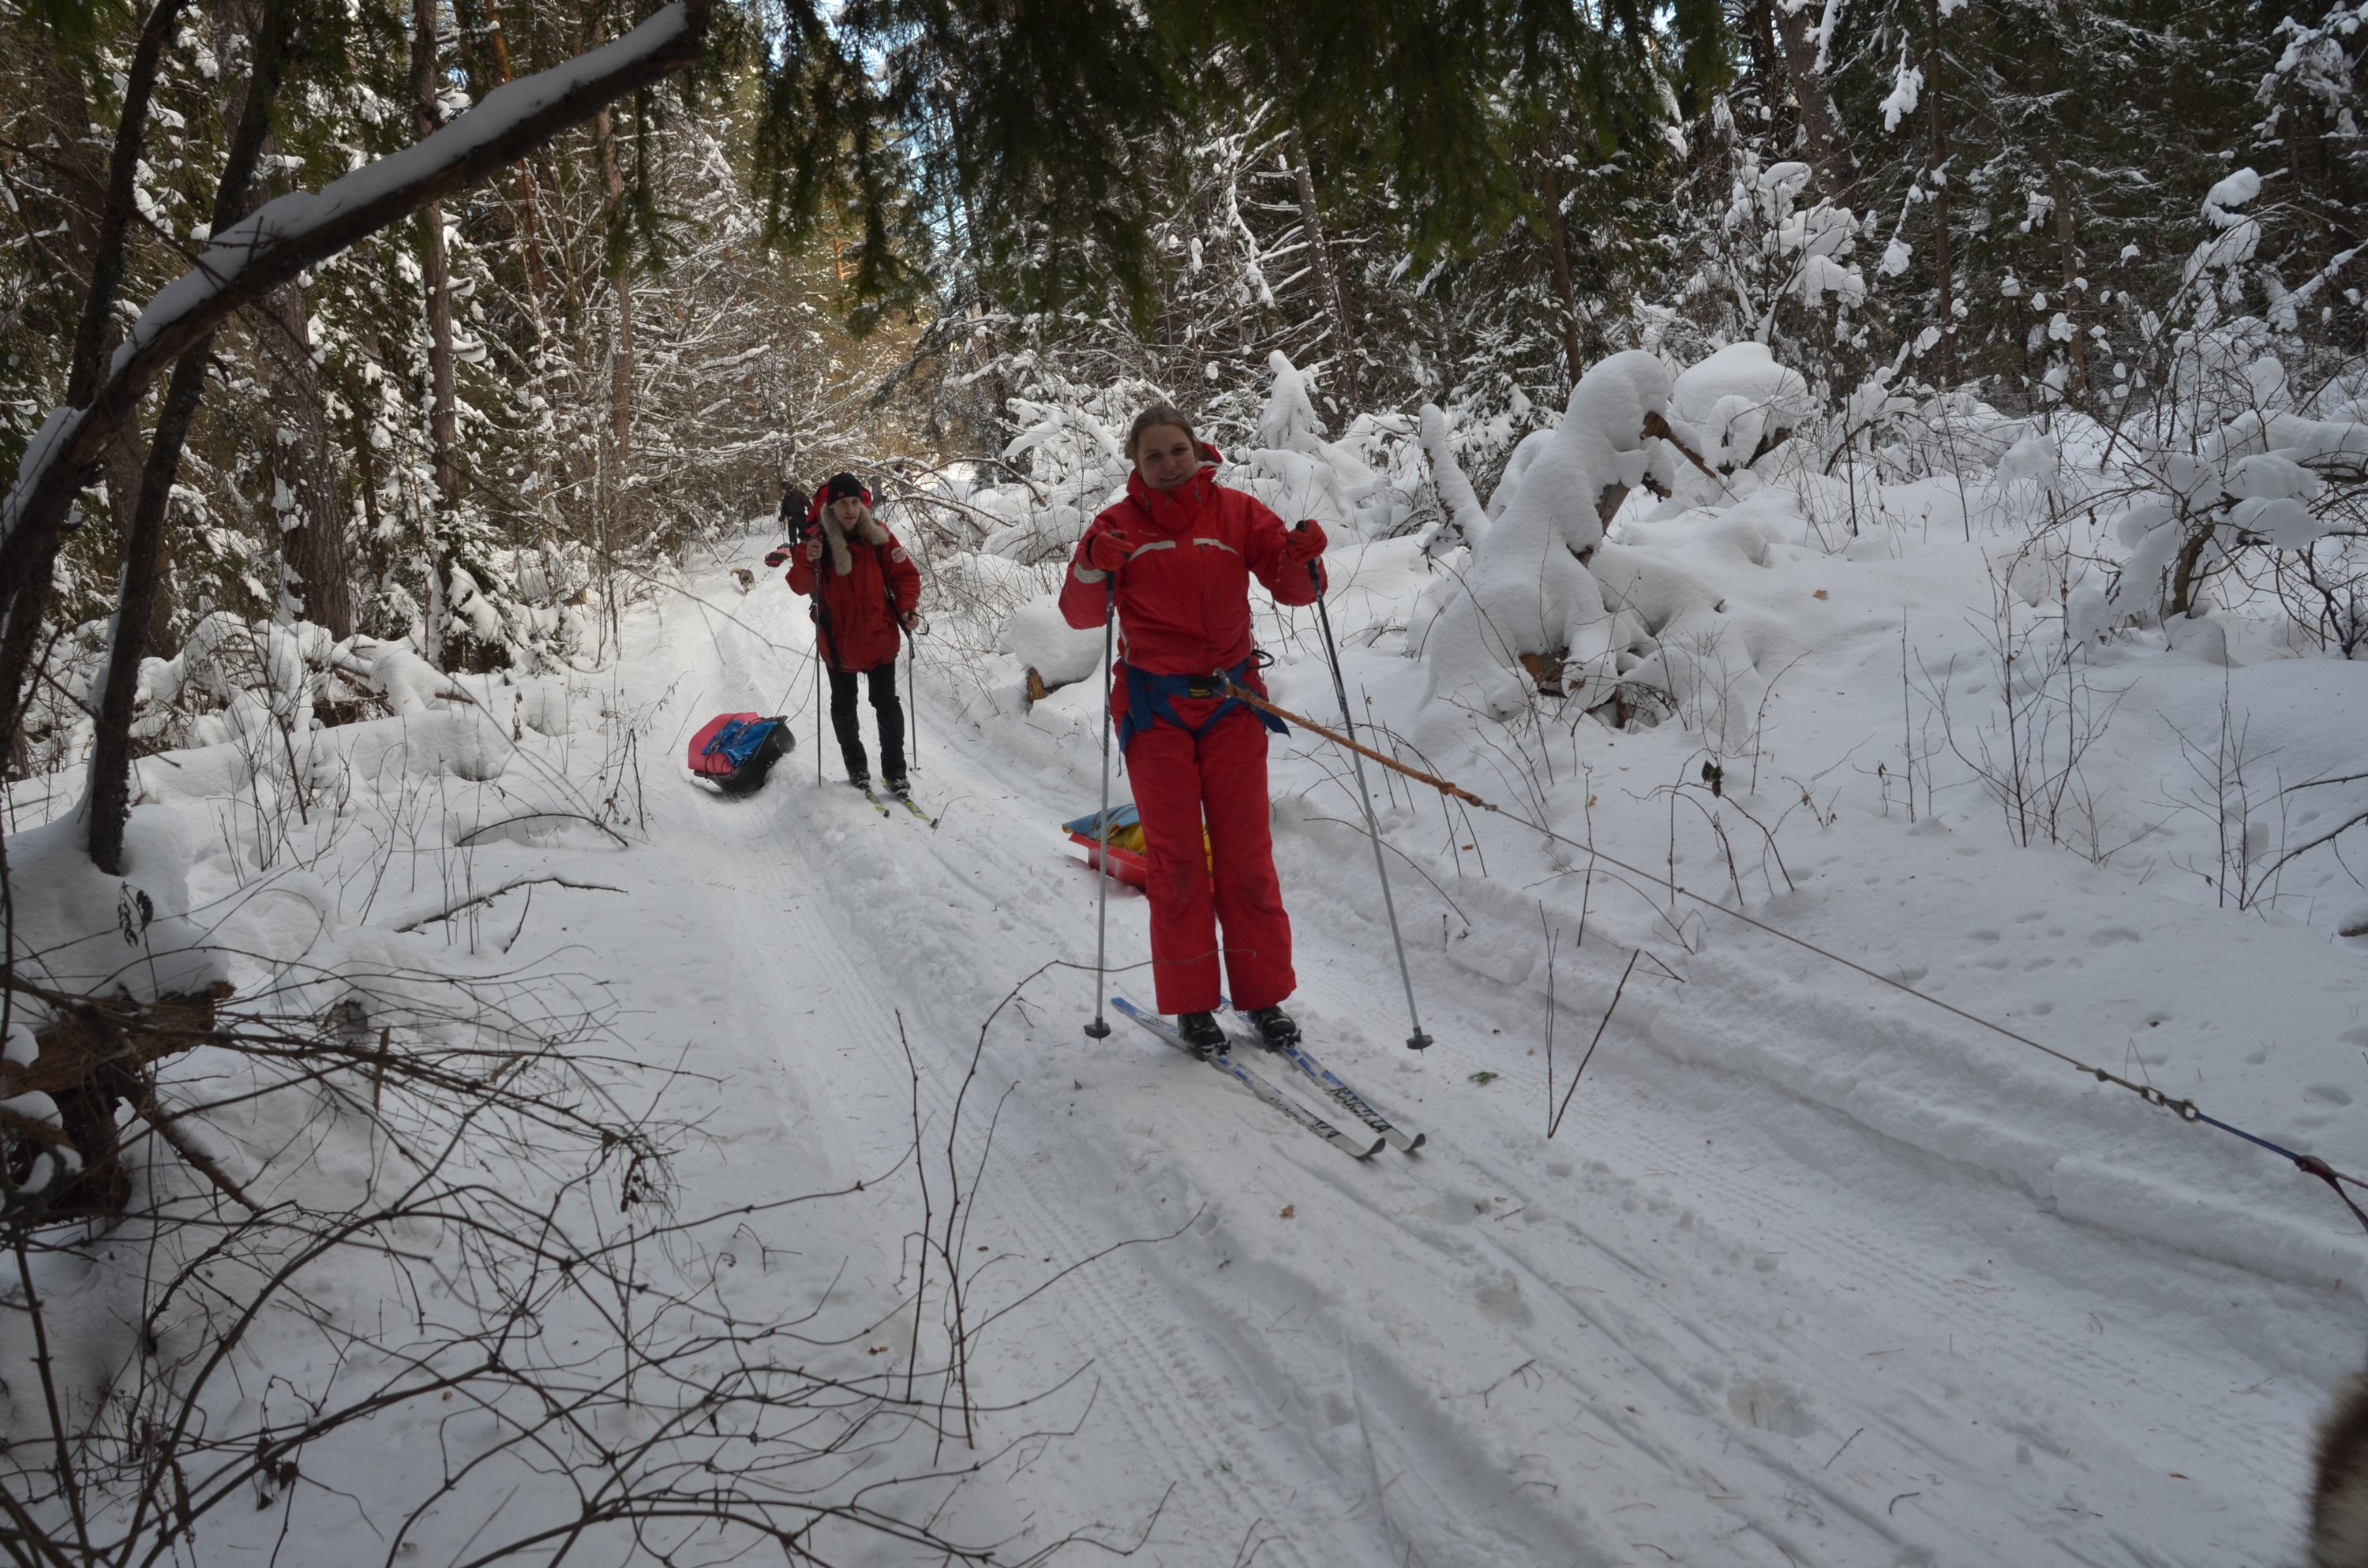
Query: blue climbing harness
x,y
1151,697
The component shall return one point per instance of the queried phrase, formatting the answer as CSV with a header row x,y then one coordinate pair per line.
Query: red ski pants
x,y
1220,778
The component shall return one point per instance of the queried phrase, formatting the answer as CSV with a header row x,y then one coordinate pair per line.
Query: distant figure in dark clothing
x,y
796,513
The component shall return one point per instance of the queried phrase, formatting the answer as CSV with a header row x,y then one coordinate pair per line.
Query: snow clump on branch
x,y
1299,473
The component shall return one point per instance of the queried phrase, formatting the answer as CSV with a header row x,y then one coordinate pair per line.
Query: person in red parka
x,y
865,588
1177,556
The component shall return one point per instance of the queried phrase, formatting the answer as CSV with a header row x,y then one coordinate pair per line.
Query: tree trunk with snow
x,y
108,803
2067,248
304,487
1945,317
621,360
98,210
1326,276
274,246
25,583
436,280
1558,241
1829,146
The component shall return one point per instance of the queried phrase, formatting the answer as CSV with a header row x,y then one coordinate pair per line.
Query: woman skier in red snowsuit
x,y
1178,555
863,593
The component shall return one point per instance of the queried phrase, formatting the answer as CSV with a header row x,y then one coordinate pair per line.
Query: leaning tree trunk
x,y
54,474
108,802
25,584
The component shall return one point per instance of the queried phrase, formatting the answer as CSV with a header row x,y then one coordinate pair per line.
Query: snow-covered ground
x,y
1811,1272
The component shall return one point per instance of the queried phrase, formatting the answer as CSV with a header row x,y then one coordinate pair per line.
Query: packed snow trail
x,y
1718,1319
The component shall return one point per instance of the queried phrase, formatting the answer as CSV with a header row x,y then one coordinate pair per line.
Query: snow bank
x,y
1684,636
76,928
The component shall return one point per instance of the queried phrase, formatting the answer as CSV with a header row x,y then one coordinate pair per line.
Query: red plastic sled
x,y
1125,866
735,751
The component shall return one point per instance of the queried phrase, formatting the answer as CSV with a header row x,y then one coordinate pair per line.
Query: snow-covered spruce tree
x,y
2019,163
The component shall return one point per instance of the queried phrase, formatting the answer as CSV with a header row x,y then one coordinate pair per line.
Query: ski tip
x,y
1418,1139
1379,1144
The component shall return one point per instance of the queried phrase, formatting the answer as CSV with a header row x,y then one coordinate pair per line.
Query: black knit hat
x,y
845,487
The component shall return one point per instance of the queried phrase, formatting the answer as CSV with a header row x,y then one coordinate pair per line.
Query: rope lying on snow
x,y
2185,1110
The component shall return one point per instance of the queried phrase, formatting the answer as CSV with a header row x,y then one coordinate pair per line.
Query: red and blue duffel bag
x,y
735,751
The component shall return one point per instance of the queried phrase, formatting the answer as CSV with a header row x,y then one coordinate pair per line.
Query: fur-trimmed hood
x,y
867,530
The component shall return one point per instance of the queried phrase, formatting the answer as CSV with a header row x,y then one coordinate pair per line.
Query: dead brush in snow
x,y
442,1217
2028,750
371,1245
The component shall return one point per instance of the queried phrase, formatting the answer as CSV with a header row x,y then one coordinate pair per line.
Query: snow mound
x,y
76,929
1466,519
1740,403
1036,634
1528,591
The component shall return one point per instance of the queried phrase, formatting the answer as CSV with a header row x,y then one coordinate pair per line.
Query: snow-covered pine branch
x,y
299,231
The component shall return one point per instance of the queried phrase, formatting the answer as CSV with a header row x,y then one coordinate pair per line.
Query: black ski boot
x,y
1274,1027
900,787
860,782
1200,1032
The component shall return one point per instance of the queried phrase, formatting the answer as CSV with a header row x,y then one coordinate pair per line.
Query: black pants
x,y
885,707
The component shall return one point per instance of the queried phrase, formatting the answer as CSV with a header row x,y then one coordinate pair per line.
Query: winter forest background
x,y
1907,430
1944,216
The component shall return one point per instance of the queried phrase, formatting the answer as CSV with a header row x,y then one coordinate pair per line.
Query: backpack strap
x,y
880,558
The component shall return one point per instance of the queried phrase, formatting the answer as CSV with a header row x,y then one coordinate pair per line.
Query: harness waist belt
x,y
1151,697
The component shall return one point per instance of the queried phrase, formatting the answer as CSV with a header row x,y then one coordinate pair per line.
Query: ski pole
x,y
1417,1040
1099,1028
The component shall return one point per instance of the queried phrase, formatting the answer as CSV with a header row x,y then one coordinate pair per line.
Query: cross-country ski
x,y
1233,1068
1323,1078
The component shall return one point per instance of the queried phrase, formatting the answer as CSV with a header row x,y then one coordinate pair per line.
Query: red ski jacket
x,y
859,610
1183,595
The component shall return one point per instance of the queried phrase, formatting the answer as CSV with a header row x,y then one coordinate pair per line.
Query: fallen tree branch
x,y
468,904
161,1123
466,839
89,1034
1656,425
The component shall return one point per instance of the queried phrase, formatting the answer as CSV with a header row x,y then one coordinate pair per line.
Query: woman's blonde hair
x,y
1152,418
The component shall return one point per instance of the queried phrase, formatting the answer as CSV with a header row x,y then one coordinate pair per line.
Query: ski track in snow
x,y
1716,1319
